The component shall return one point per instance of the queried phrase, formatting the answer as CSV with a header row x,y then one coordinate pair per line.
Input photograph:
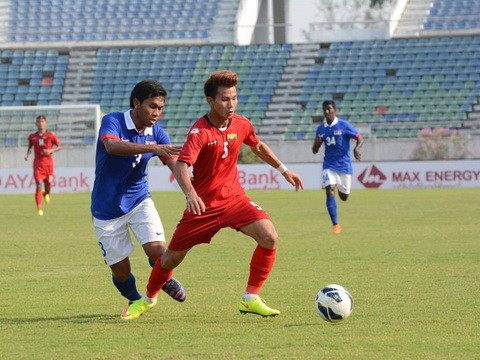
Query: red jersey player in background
x,y
215,198
44,144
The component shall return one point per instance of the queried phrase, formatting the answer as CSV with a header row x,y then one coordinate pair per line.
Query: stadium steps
x,y
413,18
78,82
280,110
4,16
222,31
473,121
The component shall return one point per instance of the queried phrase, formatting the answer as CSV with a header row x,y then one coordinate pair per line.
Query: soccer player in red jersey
x,y
44,144
215,198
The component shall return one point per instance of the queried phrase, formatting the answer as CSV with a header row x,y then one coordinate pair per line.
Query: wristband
x,y
282,168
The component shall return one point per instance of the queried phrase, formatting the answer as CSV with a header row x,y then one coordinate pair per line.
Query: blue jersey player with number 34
x,y
121,201
337,164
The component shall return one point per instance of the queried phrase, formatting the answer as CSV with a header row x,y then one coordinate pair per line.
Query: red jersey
x,y
213,153
41,142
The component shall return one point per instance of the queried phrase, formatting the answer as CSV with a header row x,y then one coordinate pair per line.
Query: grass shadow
x,y
77,319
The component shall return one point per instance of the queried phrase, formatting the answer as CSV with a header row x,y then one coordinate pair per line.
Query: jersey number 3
x,y
138,157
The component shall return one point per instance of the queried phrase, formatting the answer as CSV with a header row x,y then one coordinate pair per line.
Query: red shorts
x,y
43,172
197,229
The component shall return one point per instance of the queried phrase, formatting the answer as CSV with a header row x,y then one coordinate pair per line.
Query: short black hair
x,y
146,89
329,102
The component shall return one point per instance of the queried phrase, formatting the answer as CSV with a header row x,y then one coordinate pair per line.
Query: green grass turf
x,y
410,258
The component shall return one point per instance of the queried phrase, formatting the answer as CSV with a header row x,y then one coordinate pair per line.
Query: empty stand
x,y
183,71
453,15
396,87
391,88
32,77
104,20
74,124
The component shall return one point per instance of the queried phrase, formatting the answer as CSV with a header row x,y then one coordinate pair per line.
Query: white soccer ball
x,y
334,303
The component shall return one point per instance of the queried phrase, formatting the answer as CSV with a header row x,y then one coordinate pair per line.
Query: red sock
x,y
158,278
260,267
38,198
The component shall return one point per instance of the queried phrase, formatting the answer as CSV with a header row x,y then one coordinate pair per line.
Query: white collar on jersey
x,y
131,125
334,122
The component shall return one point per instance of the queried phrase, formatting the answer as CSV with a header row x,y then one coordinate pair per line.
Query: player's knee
x,y
154,249
330,190
268,239
343,196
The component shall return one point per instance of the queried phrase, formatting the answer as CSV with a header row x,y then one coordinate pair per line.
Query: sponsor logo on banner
x,y
64,180
434,178
372,177
268,179
378,175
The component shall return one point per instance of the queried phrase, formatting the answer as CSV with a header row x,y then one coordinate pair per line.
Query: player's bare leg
x,y
343,196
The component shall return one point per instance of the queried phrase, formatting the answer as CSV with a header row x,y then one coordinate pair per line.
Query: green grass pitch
x,y
410,258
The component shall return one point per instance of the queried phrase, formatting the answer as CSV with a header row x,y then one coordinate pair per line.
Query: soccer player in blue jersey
x,y
121,200
337,164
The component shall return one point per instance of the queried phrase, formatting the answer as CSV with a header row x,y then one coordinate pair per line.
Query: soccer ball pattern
x,y
334,303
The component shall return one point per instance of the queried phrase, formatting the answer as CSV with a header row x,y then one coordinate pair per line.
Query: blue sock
x,y
332,209
128,289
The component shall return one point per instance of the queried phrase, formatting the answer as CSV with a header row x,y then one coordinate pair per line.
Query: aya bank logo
x,y
372,177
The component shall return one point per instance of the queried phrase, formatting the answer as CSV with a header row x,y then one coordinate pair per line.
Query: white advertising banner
x,y
21,181
369,175
416,174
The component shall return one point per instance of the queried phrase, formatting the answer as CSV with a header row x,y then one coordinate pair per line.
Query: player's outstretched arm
x,y
170,162
166,150
294,179
267,155
125,148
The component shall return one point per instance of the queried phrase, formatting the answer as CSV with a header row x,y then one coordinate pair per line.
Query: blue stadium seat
x,y
428,69
453,15
158,19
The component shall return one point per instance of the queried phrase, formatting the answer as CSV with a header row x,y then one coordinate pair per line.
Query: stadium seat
x,y
49,21
421,78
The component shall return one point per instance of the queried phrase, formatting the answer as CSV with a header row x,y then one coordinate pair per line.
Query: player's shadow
x,y
301,325
78,319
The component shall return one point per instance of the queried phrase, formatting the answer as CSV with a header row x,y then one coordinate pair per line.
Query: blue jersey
x,y
121,181
336,138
